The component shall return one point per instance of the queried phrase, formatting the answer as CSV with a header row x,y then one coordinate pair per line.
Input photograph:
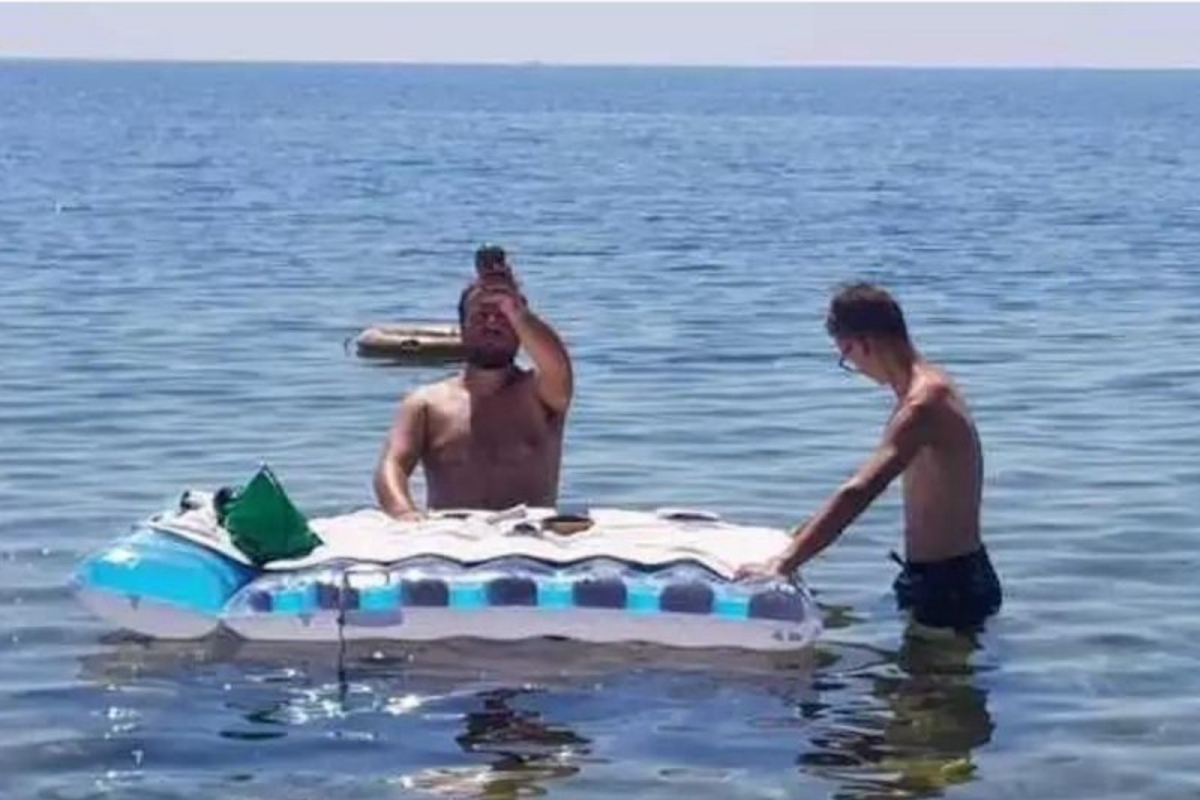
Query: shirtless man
x,y
947,580
491,436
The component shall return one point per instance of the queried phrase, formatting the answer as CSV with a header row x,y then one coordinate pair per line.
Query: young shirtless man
x,y
490,437
947,579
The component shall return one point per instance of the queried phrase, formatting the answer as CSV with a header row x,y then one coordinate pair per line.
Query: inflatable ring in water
x,y
412,342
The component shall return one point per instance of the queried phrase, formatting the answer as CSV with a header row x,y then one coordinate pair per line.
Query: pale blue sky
x,y
932,34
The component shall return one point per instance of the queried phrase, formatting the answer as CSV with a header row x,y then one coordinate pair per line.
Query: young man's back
x,y
943,484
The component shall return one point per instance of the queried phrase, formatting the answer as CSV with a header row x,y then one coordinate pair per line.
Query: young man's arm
x,y
906,433
401,452
555,377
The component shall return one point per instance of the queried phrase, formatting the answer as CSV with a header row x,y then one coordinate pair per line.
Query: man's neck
x,y
482,381
901,369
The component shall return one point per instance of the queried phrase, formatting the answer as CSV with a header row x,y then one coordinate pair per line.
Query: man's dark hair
x,y
863,309
489,254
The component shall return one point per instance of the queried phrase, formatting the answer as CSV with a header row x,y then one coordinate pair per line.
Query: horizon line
x,y
542,63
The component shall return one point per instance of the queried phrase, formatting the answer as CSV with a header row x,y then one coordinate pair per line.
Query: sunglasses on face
x,y
844,361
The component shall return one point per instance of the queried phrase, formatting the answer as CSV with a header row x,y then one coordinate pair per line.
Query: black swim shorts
x,y
958,593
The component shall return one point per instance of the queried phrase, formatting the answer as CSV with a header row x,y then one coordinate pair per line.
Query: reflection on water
x,y
911,726
524,750
465,718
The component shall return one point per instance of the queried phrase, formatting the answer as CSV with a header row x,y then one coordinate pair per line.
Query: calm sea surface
x,y
185,249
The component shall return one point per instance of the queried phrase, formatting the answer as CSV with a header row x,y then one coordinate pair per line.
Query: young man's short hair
x,y
863,309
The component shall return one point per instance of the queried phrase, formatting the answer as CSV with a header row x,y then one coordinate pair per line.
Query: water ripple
x,y
186,248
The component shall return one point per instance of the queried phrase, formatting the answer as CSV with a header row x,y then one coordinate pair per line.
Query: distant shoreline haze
x,y
1096,35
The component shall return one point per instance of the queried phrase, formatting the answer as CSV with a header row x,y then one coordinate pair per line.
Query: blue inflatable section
x,y
609,586
166,569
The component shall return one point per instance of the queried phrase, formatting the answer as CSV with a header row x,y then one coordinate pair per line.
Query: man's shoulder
x,y
434,391
935,386
937,400
927,401
526,382
933,392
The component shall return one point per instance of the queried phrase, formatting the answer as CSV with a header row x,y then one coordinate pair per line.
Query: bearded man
x,y
491,436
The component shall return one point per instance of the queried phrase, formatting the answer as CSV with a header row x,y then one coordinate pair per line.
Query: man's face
x,y
490,341
855,354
